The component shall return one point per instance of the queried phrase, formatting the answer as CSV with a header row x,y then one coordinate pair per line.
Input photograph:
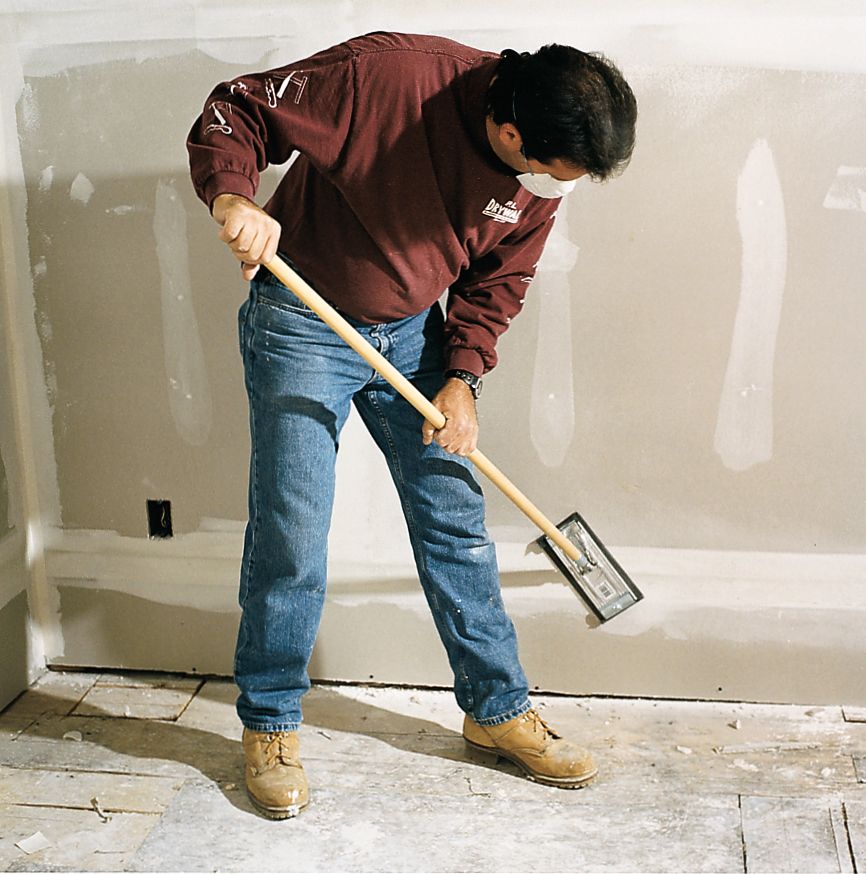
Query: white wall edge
x,y
33,475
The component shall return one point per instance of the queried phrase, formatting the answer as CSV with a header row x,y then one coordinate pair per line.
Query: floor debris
x,y
854,714
94,803
735,724
767,747
794,799
73,735
34,843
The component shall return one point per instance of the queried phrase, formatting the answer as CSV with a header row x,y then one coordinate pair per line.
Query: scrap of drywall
x,y
744,428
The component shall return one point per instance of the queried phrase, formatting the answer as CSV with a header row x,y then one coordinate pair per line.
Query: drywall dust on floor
x,y
720,786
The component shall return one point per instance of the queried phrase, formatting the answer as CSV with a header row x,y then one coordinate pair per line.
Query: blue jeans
x,y
300,379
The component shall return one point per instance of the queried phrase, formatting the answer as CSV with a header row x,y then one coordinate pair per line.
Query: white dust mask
x,y
545,185
541,184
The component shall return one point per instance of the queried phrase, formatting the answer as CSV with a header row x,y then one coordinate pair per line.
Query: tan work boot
x,y
275,778
532,745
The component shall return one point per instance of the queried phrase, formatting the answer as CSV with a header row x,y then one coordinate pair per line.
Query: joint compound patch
x,y
744,428
189,391
81,189
848,190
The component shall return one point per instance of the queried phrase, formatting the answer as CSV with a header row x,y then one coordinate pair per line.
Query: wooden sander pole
x,y
299,287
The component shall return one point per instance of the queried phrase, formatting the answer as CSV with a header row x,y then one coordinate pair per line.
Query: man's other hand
x,y
460,434
251,234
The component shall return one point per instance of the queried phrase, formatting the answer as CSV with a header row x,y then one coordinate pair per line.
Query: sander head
x,y
597,577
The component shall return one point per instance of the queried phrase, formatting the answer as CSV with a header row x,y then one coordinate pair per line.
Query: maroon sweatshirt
x,y
396,194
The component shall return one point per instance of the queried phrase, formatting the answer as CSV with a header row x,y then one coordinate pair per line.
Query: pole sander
x,y
572,546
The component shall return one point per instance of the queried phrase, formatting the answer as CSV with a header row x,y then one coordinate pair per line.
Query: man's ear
x,y
510,137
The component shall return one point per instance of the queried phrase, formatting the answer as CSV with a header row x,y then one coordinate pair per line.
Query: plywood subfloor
x,y
144,773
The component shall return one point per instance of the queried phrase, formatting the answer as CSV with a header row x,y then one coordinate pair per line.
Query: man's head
x,y
561,109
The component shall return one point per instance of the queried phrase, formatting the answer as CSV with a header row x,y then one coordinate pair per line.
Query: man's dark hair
x,y
567,104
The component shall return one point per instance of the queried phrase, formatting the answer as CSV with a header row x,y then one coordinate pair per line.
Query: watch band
x,y
473,381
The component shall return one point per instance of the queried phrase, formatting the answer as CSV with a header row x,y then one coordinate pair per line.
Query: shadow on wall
x,y
14,618
5,521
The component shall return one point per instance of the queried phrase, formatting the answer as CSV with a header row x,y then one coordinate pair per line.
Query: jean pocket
x,y
286,302
271,292
242,326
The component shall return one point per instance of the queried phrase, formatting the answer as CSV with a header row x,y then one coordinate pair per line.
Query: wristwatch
x,y
473,381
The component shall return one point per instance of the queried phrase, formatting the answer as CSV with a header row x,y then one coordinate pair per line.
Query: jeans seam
x,y
278,726
254,485
410,521
505,717
300,310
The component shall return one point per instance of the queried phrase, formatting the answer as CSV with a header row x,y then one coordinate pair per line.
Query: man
x,y
417,165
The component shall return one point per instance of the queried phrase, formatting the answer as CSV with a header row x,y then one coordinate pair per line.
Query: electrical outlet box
x,y
159,519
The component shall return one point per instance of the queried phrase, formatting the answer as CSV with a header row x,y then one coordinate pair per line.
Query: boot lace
x,y
539,726
276,750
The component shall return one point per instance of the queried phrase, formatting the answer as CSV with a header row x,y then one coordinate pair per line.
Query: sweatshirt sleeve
x,y
261,118
487,296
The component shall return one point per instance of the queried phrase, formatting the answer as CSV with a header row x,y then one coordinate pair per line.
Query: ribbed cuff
x,y
226,182
461,358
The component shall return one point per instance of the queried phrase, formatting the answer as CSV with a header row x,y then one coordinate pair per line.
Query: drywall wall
x,y
686,371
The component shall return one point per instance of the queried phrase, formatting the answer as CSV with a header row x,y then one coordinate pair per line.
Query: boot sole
x,y
277,812
560,782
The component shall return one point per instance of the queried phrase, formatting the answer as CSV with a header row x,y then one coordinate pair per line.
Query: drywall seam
x,y
744,428
792,36
189,569
189,393
37,469
551,407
